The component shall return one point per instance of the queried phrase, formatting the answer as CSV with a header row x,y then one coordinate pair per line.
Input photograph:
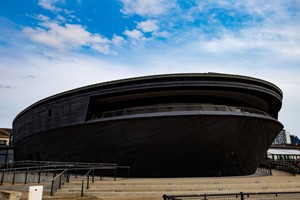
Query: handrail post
x,y
115,173
101,172
68,178
13,180
242,195
59,184
93,175
52,185
25,181
82,187
39,179
88,181
2,178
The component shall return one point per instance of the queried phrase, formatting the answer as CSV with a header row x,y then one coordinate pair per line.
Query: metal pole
x,y
52,185
115,173
242,196
165,197
59,184
2,178
39,180
82,187
25,182
88,181
93,175
101,173
13,181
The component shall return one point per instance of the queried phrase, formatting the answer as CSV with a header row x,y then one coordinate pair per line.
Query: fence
x,y
237,196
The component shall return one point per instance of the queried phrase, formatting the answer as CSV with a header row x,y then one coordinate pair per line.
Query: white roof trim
x,y
283,151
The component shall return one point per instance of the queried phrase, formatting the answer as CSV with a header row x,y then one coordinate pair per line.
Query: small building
x,y
6,151
286,154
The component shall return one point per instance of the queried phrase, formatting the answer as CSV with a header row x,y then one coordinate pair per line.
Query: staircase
x,y
155,188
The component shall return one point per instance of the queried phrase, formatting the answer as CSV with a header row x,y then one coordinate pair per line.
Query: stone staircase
x,y
155,188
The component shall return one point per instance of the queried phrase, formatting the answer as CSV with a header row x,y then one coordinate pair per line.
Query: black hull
x,y
161,146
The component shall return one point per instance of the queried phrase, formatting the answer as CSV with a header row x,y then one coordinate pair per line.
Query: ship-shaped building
x,y
172,125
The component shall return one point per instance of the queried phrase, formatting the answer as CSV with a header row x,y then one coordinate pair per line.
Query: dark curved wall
x,y
71,113
74,107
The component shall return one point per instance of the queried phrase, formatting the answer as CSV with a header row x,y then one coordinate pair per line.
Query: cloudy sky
x,y
50,46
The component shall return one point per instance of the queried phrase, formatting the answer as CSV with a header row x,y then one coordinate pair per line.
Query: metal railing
x,y
241,195
60,172
176,108
87,177
59,180
281,165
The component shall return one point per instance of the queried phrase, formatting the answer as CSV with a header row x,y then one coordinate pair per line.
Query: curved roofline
x,y
149,77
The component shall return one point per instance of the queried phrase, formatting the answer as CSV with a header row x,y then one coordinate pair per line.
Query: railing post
x,y
26,173
93,177
82,187
242,195
2,178
165,197
52,185
59,184
101,172
13,180
39,179
115,173
128,172
68,178
88,181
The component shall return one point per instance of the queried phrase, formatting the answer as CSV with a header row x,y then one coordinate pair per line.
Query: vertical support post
x,y
165,197
101,172
68,177
115,173
39,180
26,173
93,177
242,195
82,187
52,185
14,175
59,184
2,178
88,181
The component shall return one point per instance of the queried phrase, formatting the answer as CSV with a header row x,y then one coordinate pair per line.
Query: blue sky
x,y
50,46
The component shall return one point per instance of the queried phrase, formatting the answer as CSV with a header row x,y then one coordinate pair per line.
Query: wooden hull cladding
x,y
161,146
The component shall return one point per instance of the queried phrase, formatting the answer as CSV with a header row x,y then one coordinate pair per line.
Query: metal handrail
x,y
86,176
65,170
59,184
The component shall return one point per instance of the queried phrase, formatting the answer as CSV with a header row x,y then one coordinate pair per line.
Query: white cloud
x,y
117,40
148,26
134,34
282,41
147,7
66,37
50,4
